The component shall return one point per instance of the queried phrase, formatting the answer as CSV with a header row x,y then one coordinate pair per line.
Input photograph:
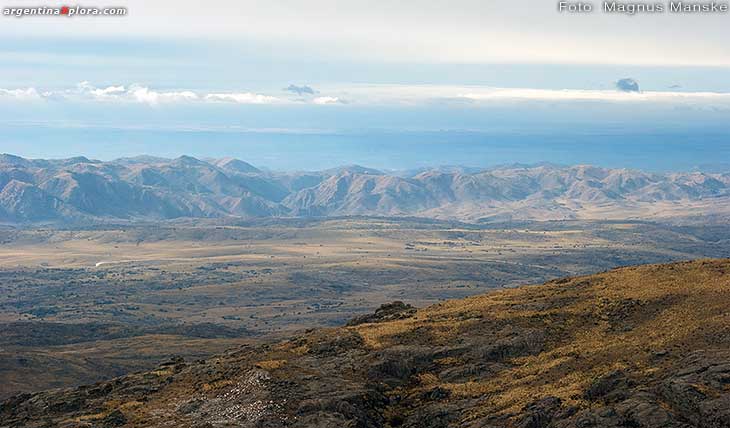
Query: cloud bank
x,y
85,91
627,91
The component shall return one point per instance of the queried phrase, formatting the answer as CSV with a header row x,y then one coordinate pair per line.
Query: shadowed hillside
x,y
633,347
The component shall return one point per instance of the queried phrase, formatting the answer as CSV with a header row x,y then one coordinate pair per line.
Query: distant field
x,y
93,304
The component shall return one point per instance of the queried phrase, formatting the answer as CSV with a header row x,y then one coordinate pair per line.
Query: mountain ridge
x,y
149,188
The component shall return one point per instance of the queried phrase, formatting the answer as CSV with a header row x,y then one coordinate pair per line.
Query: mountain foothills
x,y
148,188
643,346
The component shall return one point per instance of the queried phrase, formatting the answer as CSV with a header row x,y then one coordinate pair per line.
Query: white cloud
x,y
137,93
114,93
145,95
497,94
429,94
27,94
87,88
133,93
242,98
328,100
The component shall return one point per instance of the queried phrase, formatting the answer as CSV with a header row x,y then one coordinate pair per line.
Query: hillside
x,y
643,346
147,188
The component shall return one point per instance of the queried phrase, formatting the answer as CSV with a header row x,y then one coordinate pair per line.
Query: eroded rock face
x,y
700,391
540,357
693,395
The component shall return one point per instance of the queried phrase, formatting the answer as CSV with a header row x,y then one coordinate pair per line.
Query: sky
x,y
391,84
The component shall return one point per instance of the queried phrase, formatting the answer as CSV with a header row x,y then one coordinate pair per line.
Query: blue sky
x,y
394,84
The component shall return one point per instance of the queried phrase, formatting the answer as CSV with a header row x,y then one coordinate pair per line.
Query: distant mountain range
x,y
149,188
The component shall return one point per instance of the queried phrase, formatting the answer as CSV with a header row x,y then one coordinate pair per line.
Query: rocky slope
x,y
644,346
147,188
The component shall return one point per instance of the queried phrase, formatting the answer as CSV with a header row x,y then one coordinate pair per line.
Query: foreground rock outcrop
x,y
644,346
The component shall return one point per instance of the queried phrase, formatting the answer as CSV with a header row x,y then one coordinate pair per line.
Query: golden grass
x,y
163,372
678,307
427,379
92,417
587,327
271,364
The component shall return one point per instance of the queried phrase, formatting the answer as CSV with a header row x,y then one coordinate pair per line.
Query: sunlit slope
x,y
645,346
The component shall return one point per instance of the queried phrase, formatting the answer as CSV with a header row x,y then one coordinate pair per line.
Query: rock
x,y
539,414
114,419
429,419
387,312
610,388
336,344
